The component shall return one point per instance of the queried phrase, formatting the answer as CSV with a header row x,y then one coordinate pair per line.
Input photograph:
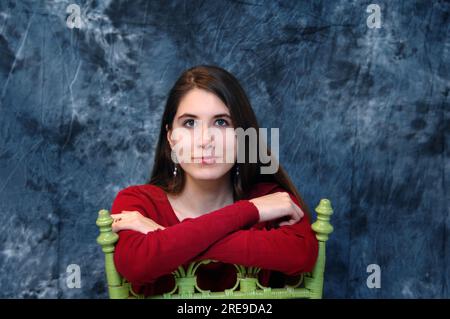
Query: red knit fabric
x,y
231,235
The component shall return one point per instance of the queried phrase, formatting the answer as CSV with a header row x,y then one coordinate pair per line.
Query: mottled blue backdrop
x,y
363,116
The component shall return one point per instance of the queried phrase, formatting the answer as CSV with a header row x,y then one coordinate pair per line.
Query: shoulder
x,y
144,197
149,191
264,188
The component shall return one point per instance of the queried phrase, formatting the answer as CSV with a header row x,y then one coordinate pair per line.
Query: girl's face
x,y
202,137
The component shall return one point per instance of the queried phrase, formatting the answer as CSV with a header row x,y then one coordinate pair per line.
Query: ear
x,y
169,133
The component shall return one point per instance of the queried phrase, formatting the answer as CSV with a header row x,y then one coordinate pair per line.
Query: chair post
x,y
323,228
107,239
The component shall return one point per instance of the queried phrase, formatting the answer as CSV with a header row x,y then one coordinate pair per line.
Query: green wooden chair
x,y
309,285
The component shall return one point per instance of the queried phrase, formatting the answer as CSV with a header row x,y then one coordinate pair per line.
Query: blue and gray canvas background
x,y
363,116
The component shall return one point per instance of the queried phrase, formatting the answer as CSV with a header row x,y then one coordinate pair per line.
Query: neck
x,y
203,196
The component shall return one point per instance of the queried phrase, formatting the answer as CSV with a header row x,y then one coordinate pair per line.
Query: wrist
x,y
248,213
256,209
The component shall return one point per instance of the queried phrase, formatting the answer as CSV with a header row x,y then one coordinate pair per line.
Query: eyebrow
x,y
195,116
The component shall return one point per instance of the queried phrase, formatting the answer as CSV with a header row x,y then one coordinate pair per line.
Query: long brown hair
x,y
225,86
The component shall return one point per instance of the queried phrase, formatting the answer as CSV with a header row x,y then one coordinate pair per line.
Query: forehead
x,y
201,103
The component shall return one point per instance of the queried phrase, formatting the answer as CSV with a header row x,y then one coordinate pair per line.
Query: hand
x,y
278,205
133,220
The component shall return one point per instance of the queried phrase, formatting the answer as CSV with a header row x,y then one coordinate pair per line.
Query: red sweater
x,y
231,235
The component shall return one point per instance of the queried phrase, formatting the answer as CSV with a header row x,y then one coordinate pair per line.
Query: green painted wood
x,y
107,239
309,285
323,228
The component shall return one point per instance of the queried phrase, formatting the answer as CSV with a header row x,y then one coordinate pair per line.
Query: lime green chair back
x,y
309,285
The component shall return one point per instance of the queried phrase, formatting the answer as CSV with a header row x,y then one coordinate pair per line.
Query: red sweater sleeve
x,y
143,258
290,249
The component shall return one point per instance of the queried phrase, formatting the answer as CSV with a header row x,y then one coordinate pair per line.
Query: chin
x,y
213,175
207,172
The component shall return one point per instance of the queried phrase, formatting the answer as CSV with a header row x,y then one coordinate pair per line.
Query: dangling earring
x,y
175,171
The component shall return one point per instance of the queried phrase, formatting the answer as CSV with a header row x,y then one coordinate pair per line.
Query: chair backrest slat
x,y
310,285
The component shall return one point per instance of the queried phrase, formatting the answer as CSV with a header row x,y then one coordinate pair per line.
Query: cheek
x,y
184,148
187,144
229,147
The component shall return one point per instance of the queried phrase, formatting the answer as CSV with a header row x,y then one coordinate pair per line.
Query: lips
x,y
206,159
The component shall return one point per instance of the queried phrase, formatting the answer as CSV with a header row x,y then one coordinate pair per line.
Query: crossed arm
x,y
222,235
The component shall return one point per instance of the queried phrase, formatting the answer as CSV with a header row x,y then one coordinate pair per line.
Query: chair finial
x,y
107,238
322,225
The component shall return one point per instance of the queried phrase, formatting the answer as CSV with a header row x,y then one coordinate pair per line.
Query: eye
x,y
189,123
222,122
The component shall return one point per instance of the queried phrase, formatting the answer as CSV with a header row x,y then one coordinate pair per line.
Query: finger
x,y
158,226
299,211
288,223
283,224
302,214
125,212
121,215
119,225
124,215
116,227
152,229
295,216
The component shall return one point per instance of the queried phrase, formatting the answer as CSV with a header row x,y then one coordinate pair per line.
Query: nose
x,y
206,137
